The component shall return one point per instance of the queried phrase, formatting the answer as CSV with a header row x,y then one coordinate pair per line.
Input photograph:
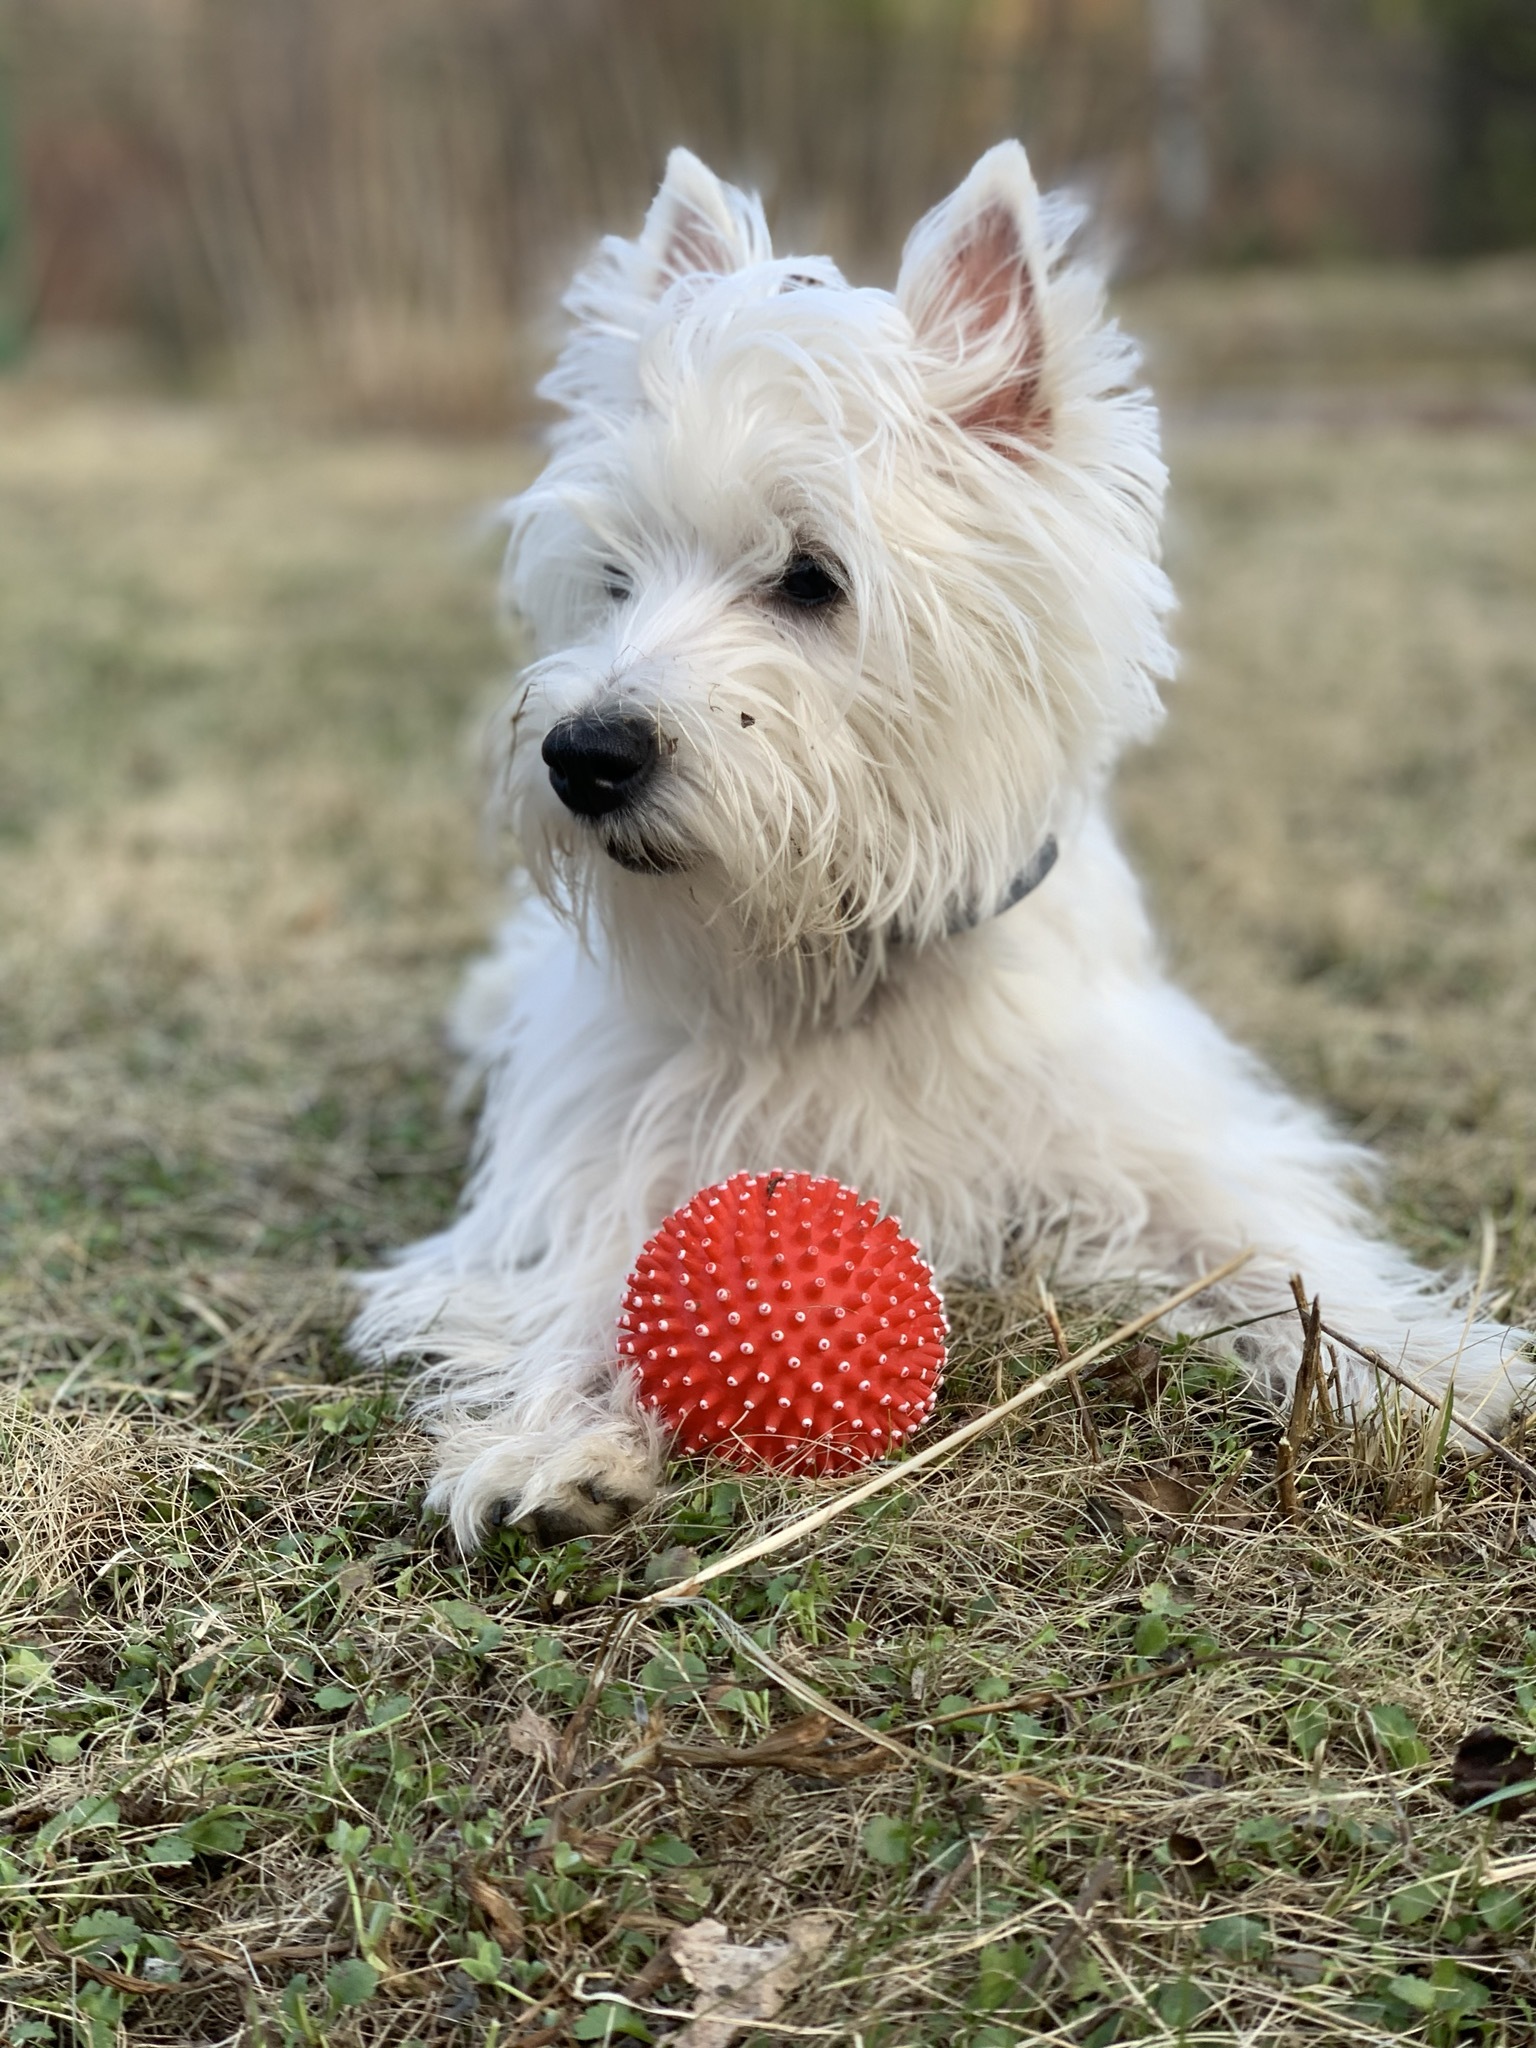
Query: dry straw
x,y
1435,1403
957,1439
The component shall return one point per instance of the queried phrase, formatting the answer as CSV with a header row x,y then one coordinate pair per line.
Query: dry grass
x,y
278,1765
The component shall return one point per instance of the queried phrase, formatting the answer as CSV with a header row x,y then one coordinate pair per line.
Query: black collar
x,y
1024,883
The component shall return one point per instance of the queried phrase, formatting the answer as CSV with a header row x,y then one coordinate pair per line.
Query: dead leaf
x,y
811,1746
503,1918
740,1984
1160,1493
1204,1778
593,1845
1101,1880
531,1735
671,1566
1136,1375
1487,1762
1104,1517
1303,1965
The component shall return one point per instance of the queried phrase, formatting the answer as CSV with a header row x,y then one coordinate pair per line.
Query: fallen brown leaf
x,y
531,1735
1176,1499
103,1973
1160,1490
1137,1375
1204,1778
740,1984
1191,1856
501,1915
811,1746
1098,1884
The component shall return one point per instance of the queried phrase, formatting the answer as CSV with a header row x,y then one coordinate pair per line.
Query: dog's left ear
x,y
699,226
973,285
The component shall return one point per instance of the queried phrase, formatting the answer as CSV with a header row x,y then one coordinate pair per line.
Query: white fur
x,y
838,793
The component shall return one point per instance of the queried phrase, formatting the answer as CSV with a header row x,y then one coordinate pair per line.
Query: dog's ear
x,y
698,226
973,284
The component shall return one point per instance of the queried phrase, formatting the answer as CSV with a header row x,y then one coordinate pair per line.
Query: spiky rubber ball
x,y
778,1319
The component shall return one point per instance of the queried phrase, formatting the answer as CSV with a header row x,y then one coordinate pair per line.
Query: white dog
x,y
845,604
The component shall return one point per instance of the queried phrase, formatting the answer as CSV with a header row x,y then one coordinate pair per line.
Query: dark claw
x,y
552,1523
624,1504
549,1526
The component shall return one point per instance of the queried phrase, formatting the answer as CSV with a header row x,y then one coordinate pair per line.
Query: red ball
x,y
777,1319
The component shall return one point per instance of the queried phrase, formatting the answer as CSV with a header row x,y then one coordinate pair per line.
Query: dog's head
x,y
844,600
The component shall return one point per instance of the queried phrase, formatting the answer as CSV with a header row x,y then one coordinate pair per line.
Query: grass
x,y
279,1767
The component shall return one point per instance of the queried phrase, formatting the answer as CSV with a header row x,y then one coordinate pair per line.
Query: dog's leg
x,y
523,1389
1371,1293
536,1424
1227,1159
513,1311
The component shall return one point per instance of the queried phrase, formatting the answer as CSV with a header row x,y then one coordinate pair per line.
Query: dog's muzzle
x,y
598,764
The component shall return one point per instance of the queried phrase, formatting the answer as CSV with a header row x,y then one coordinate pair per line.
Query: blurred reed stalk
x,y
370,197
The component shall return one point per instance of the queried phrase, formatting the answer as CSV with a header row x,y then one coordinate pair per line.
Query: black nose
x,y
599,764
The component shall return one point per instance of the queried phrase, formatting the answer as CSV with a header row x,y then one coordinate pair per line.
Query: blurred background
x,y
366,196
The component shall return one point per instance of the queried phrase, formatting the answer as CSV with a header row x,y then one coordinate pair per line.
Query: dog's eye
x,y
808,583
616,582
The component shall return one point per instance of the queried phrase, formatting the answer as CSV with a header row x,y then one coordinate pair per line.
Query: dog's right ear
x,y
973,285
699,227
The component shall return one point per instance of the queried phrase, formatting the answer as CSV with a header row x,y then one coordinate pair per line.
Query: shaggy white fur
x,y
845,603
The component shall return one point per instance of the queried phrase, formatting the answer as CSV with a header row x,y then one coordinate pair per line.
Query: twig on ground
x,y
949,1881
653,1976
117,1980
1049,1696
1064,1352
804,1747
1307,1392
1309,1389
1056,1953
575,1728
1285,1481
1014,1783
957,1439
293,1952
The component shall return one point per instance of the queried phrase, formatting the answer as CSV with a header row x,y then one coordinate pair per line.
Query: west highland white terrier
x,y
845,602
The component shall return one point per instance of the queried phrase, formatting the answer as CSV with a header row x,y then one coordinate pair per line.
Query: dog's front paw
x,y
585,1485
582,1507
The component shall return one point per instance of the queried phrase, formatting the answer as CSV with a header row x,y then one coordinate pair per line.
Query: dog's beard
x,y
786,873
642,859
638,843
777,882
702,911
